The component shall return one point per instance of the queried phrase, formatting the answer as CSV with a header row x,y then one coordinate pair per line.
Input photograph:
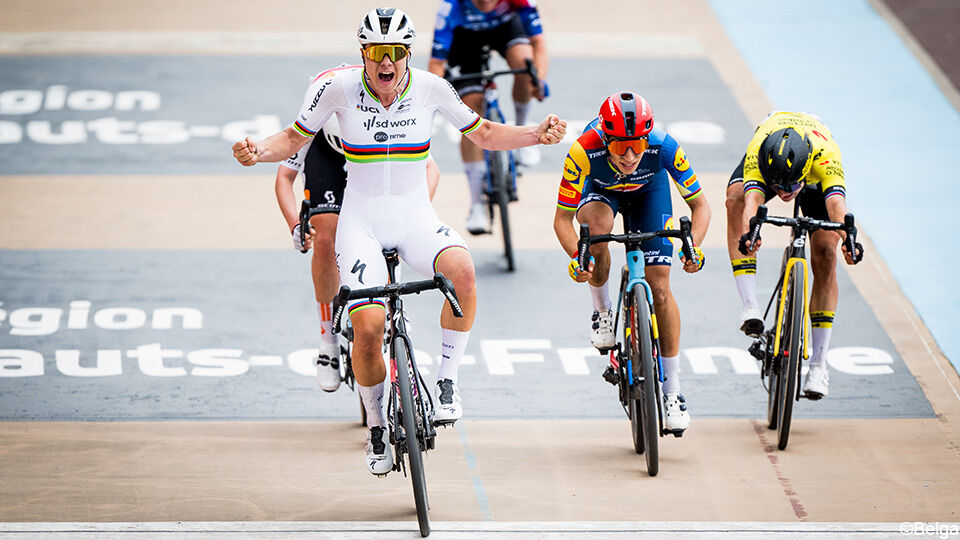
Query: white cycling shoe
x,y
751,321
448,408
817,382
379,457
601,333
478,222
328,367
676,419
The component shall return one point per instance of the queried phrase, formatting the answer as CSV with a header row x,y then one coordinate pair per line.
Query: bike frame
x,y
636,275
794,254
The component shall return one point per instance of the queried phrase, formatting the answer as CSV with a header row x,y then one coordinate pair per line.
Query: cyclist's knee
x,y
823,260
457,266
734,201
368,325
659,279
474,100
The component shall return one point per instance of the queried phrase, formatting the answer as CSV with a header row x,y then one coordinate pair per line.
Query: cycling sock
x,y
476,171
822,326
325,311
745,274
452,347
372,397
601,297
671,374
521,112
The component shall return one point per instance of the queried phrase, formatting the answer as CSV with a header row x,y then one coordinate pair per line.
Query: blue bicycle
x,y
635,360
501,185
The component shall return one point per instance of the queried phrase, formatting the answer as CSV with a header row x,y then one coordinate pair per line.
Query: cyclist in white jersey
x,y
386,110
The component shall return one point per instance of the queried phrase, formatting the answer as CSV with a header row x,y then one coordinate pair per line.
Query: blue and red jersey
x,y
462,13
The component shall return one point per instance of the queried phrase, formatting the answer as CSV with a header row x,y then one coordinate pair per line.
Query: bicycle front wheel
x,y
414,452
500,180
633,403
645,368
790,359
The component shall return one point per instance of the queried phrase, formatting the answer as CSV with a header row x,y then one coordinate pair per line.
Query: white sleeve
x,y
295,161
448,102
322,99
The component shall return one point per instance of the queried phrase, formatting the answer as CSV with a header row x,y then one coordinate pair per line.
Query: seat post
x,y
393,260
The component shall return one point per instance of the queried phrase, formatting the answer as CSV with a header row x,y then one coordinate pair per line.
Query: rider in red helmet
x,y
622,163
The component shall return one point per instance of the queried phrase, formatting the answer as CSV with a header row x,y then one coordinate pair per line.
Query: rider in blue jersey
x,y
510,27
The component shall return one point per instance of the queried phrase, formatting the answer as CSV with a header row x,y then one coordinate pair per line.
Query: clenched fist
x,y
551,130
246,152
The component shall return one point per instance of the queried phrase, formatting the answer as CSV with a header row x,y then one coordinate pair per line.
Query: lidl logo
x,y
680,160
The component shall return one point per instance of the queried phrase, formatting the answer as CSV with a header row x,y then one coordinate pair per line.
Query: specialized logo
x,y
374,123
680,160
444,230
380,136
358,269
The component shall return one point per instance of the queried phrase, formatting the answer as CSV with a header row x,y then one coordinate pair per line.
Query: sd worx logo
x,y
381,124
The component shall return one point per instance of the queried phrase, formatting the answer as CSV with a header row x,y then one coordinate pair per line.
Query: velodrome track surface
x,y
134,230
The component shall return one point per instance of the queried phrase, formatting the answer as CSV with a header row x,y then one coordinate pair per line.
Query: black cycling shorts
x,y
324,176
812,203
467,45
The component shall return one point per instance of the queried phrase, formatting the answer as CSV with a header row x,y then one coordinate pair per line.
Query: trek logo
x,y
364,108
653,257
374,123
358,269
594,155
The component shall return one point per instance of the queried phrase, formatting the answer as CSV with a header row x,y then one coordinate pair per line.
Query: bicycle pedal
x,y
611,376
431,443
444,423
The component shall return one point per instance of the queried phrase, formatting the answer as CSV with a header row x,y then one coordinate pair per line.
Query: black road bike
x,y
410,409
783,346
635,360
501,185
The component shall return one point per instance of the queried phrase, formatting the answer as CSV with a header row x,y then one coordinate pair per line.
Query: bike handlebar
x,y
583,245
809,224
486,76
304,224
439,281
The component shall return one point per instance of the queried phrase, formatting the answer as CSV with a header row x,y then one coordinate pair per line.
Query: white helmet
x,y
386,25
331,132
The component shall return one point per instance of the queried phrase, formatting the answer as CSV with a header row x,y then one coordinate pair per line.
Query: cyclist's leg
x,y
825,291
465,55
515,47
597,209
324,180
428,247
744,267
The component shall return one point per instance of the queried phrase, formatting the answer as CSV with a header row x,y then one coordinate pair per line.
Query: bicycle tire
x,y
773,392
414,452
633,405
645,365
498,164
790,362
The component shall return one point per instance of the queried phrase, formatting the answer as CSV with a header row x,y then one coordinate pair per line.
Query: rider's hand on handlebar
x,y
551,130
578,274
746,248
691,266
542,92
246,152
849,257
308,238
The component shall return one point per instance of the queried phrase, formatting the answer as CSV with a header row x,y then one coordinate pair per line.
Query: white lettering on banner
x,y
574,361
860,361
150,359
260,128
109,363
120,318
10,132
72,132
29,101
500,356
702,360
217,363
20,363
113,131
42,321
163,132
499,359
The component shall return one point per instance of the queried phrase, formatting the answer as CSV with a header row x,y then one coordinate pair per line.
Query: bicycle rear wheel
x,y
634,405
790,359
414,453
645,368
499,166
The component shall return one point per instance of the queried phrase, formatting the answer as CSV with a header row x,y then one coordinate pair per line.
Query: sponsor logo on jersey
x,y
680,161
690,181
822,163
818,134
374,123
316,99
364,108
594,155
571,171
566,192
380,136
